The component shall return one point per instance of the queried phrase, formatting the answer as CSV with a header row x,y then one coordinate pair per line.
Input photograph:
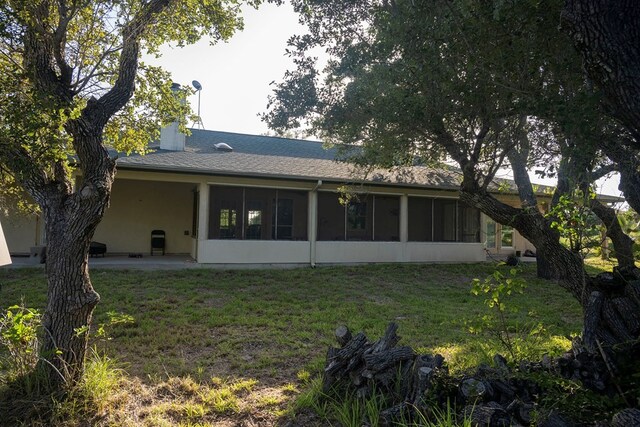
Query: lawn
x,y
228,347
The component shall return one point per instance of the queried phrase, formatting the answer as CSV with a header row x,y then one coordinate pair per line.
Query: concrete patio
x,y
147,262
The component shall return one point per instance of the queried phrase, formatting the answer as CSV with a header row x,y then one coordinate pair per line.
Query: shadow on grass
x,y
27,400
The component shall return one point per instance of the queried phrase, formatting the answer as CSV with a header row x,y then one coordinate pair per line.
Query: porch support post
x,y
404,218
203,212
312,225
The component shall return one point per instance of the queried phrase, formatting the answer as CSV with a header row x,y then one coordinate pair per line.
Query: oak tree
x,y
74,92
483,84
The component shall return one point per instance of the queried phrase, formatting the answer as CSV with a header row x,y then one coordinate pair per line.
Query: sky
x,y
236,76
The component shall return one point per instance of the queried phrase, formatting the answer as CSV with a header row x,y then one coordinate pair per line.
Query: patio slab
x,y
146,262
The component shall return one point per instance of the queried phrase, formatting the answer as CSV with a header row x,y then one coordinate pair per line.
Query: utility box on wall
x,y
4,250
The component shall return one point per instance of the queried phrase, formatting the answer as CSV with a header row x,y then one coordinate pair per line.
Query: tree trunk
x,y
622,244
561,264
610,313
544,269
606,33
611,303
68,280
628,165
71,219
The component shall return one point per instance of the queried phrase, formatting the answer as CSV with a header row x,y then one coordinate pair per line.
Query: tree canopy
x,y
406,73
486,84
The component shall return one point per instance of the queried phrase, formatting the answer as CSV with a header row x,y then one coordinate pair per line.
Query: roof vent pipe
x,y
170,136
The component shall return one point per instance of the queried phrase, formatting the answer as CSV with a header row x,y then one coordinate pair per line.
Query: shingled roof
x,y
284,158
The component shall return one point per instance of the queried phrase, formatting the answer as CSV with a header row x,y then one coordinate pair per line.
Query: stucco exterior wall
x,y
21,232
253,252
288,252
354,252
143,201
138,207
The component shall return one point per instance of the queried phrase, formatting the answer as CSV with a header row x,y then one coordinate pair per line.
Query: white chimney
x,y
170,137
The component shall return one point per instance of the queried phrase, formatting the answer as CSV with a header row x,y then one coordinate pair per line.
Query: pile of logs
x,y
490,396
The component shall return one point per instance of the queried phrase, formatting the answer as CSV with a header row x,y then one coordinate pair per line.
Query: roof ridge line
x,y
253,135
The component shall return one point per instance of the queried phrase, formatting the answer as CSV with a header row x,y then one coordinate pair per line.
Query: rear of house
x,y
227,198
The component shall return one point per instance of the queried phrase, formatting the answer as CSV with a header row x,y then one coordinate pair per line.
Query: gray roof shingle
x,y
267,156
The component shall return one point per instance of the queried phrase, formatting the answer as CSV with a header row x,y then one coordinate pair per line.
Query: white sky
x,y
236,75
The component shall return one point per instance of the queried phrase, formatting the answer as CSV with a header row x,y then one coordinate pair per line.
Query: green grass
x,y
271,325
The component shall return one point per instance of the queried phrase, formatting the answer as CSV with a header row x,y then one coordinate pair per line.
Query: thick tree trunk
x,y
561,264
544,268
628,166
606,33
622,244
611,302
71,219
611,311
70,303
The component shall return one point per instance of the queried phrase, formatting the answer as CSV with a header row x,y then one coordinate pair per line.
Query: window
x,y
469,223
490,233
257,213
356,216
506,240
259,208
497,236
254,225
225,203
420,219
386,218
359,219
227,223
331,217
291,215
444,220
282,222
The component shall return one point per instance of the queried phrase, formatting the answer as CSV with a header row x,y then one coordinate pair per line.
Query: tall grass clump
x,y
26,397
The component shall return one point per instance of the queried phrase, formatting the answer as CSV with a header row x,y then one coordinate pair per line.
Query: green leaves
x,y
429,81
572,217
497,287
71,68
19,328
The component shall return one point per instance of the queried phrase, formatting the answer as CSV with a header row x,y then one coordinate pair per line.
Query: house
x,y
228,198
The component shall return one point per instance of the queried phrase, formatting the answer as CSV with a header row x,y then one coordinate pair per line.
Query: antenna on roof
x,y
198,123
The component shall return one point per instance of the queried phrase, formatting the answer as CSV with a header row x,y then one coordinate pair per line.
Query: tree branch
x,y
100,111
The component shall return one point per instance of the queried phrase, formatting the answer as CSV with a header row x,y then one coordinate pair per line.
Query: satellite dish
x,y
196,84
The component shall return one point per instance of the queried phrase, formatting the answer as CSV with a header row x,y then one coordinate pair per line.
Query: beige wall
x,y
253,252
288,252
355,252
21,232
138,207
